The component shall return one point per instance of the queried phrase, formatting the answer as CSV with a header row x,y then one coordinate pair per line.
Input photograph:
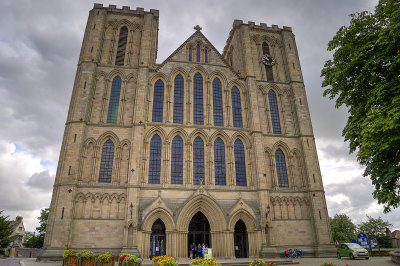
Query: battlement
x,y
126,9
263,26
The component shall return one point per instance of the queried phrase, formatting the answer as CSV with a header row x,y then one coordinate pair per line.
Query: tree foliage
x,y
364,76
5,231
34,240
375,228
343,229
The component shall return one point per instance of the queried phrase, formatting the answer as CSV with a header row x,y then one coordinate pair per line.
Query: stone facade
x,y
119,214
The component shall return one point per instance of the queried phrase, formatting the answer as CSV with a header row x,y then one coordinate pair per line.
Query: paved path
x,y
10,262
375,261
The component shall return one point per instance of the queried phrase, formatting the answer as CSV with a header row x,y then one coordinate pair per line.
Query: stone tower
x,y
204,147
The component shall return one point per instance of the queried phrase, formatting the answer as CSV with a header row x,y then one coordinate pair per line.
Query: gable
x,y
197,39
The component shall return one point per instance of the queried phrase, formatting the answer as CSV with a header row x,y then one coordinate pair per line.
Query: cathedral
x,y
203,147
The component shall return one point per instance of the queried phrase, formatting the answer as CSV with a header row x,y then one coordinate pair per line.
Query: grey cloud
x,y
43,181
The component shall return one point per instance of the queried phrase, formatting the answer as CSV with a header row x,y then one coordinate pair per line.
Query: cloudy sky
x,y
39,47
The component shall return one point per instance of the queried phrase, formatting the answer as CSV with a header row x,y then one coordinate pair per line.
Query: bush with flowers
x,y
123,256
164,261
70,257
69,253
106,257
261,262
211,262
132,260
86,258
328,264
197,261
86,255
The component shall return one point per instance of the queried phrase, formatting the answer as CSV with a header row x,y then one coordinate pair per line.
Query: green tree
x,y
375,228
33,241
343,229
364,76
5,231
41,229
36,240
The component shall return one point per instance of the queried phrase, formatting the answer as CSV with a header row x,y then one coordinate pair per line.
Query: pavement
x,y
380,261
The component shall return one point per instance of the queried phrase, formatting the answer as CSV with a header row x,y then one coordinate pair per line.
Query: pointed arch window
x,y
240,163
274,111
205,56
198,160
236,107
178,99
198,52
218,109
158,101
107,160
177,161
219,162
190,54
112,115
123,38
155,160
268,69
198,117
281,168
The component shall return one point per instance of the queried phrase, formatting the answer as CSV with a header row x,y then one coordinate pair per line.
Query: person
x,y
337,243
199,251
193,250
190,254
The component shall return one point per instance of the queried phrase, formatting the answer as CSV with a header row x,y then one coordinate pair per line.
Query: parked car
x,y
351,250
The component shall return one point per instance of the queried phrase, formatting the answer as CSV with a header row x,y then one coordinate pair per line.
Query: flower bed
x,y
106,259
328,264
86,258
70,257
261,262
164,261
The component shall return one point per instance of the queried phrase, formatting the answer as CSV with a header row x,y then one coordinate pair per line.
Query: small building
x,y
18,231
394,237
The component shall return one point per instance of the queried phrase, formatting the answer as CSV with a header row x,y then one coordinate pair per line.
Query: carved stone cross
x,y
197,27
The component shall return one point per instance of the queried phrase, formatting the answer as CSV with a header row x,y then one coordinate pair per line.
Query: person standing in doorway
x,y
193,247
199,251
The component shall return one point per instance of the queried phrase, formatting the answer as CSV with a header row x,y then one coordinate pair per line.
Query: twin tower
x,y
203,148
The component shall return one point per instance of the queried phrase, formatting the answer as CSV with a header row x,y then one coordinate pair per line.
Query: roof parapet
x,y
127,9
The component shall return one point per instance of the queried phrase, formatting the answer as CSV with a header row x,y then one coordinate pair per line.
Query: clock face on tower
x,y
268,60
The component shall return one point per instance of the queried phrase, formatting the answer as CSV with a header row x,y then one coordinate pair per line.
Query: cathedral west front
x,y
204,147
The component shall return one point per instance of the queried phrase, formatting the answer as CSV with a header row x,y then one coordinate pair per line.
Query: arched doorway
x,y
157,239
241,241
199,230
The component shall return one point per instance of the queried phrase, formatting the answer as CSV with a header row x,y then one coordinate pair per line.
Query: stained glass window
x,y
219,162
123,38
112,115
158,101
281,168
273,106
177,161
106,164
218,109
178,99
198,118
236,108
155,160
198,160
240,163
